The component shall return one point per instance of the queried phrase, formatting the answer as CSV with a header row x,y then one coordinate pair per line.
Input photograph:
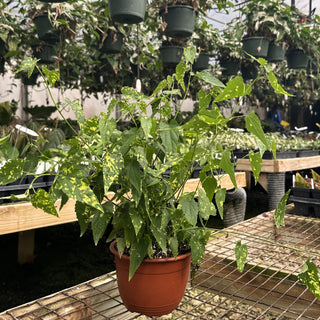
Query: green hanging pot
x,y
256,46
297,59
249,71
202,62
30,81
2,63
230,67
113,42
45,30
276,52
180,21
171,55
127,11
45,52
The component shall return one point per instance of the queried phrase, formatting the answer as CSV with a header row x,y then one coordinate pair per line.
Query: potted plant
x,y
264,22
135,178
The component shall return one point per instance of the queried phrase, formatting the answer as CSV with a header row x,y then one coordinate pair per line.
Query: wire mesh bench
x,y
268,288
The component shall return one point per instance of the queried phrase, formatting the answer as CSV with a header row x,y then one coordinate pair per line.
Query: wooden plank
x,y
26,246
23,216
223,180
282,165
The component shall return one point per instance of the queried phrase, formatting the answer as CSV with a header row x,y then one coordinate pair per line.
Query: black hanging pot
x,y
113,42
276,52
297,59
180,21
2,63
30,81
45,30
45,52
202,62
127,11
230,67
171,55
256,46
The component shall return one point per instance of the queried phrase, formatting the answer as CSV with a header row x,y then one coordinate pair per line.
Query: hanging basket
x,y
127,11
249,71
297,59
202,62
256,46
113,42
158,285
45,52
171,55
230,67
180,21
45,30
276,52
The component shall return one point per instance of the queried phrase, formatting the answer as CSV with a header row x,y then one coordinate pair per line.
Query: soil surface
x,y
63,259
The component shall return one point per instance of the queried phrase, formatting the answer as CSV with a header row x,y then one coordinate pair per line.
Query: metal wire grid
x,y
267,289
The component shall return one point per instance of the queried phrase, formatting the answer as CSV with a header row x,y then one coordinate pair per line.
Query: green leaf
x,y
147,124
11,171
256,164
206,207
52,76
189,207
121,244
136,220
209,184
160,236
112,165
253,125
275,85
77,109
138,252
160,87
79,190
241,252
133,173
228,166
41,199
106,128
28,65
210,79
280,210
220,198
170,136
100,221
82,216
204,99
190,54
235,88
309,276
180,72
174,244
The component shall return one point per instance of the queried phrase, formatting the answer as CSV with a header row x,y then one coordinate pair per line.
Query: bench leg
x,y
26,246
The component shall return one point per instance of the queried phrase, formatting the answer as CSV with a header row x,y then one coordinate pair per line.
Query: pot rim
x,y
156,260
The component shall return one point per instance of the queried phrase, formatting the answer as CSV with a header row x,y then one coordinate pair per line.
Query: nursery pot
x,y
113,42
297,59
171,55
180,21
249,71
45,52
256,46
45,30
230,67
127,11
202,62
276,52
158,285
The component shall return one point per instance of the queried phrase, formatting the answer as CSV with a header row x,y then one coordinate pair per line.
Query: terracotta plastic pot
x,y
180,20
158,285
